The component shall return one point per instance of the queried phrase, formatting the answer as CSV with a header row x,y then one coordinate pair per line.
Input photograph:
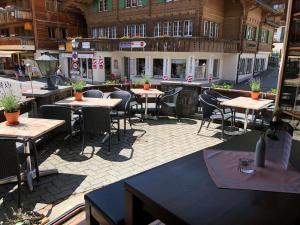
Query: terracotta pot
x,y
78,96
12,118
146,86
255,95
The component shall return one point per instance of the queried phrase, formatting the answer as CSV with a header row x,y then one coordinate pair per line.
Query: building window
x,y
133,3
102,5
127,31
158,68
211,29
167,29
142,30
101,32
133,30
188,28
157,30
264,36
259,65
177,29
249,66
61,33
51,5
178,67
205,28
114,32
250,33
245,66
51,32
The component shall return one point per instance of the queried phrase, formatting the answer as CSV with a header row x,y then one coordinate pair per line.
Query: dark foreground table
x,y
182,192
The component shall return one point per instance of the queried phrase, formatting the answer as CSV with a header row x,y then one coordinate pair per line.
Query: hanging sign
x,y
165,77
189,78
101,64
138,44
74,56
94,64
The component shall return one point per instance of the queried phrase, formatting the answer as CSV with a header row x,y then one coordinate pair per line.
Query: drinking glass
x,y
246,166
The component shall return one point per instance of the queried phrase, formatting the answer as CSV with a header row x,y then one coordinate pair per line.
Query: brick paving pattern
x,y
146,145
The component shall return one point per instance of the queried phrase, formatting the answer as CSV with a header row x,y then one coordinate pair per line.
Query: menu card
x,y
279,150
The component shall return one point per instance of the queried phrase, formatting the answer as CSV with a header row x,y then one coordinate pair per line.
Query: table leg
x,y
29,172
246,120
146,105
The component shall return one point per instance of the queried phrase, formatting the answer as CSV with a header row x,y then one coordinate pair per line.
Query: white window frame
x,y
133,3
102,6
188,28
133,30
167,29
142,30
205,28
217,30
114,32
177,28
157,28
94,32
127,30
127,3
139,3
211,29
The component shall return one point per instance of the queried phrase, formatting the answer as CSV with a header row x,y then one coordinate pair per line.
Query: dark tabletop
x,y
183,192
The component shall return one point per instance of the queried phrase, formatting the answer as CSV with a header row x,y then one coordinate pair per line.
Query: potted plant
x,y
255,88
146,83
11,106
78,89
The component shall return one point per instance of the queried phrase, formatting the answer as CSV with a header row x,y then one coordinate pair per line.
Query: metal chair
x,y
122,110
96,121
211,111
135,100
93,94
168,99
60,113
12,158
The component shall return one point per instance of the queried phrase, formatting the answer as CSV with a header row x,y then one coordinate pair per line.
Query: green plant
x,y
112,82
224,86
146,80
78,85
8,101
255,85
273,91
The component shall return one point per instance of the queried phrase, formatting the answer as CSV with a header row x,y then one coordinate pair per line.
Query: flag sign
x,y
94,64
165,77
138,44
101,64
189,78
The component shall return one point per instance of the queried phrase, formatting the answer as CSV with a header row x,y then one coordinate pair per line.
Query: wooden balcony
x,y
249,46
17,44
264,47
167,44
15,16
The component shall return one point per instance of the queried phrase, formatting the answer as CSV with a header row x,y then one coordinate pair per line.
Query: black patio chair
x,y
122,110
61,113
168,99
93,94
135,101
13,158
211,111
96,121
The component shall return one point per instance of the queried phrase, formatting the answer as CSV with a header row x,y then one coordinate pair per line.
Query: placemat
x,y
223,167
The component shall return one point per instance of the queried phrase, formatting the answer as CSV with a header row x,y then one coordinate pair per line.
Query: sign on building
x,y
101,63
86,45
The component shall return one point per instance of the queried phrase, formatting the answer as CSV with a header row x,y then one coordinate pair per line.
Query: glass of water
x,y
246,166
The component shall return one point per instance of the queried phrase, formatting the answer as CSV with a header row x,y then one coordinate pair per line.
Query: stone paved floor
x,y
147,145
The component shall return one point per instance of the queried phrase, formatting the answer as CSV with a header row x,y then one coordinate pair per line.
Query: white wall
x,y
230,64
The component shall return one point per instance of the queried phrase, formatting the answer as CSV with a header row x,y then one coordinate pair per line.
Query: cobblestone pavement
x,y
146,145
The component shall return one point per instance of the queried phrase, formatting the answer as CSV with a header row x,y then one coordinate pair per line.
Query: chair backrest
x,y
96,120
212,93
93,94
58,112
208,104
125,96
172,95
9,159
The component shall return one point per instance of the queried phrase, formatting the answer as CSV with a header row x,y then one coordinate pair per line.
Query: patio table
x,y
97,102
29,129
182,192
146,93
247,104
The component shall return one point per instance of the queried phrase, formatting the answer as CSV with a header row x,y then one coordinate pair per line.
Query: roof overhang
x,y
266,7
8,54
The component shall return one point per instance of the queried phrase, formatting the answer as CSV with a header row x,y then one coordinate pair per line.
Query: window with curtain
x,y
142,30
157,30
188,28
167,29
177,29
102,5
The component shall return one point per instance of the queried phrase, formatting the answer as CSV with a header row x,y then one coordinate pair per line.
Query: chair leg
x,y
83,144
209,121
19,190
37,171
109,142
222,129
202,123
124,125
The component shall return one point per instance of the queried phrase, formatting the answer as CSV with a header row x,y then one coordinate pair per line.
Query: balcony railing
x,y
17,43
249,46
166,44
14,15
264,47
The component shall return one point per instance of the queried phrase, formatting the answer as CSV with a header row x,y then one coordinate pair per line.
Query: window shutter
x,y
160,1
95,6
145,2
257,34
270,37
109,5
121,4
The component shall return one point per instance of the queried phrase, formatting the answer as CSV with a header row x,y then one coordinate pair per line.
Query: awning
x,y
7,54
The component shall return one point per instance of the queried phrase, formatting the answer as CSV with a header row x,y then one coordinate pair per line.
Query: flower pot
x,y
12,118
78,96
255,95
146,86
